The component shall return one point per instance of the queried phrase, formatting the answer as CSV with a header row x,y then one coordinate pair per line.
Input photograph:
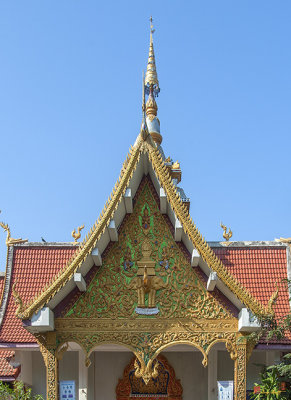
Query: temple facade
x,y
144,306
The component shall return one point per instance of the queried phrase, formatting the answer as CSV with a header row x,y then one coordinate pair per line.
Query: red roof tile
x,y
7,372
33,267
258,269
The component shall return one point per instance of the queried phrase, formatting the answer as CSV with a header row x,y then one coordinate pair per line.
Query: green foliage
x,y
270,387
271,380
284,368
17,392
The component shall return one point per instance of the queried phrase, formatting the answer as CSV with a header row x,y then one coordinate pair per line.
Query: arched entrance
x,y
165,386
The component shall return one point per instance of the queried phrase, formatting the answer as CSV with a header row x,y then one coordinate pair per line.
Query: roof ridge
x,y
195,236
90,240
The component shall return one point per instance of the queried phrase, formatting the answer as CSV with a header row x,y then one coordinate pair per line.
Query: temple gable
x,y
146,274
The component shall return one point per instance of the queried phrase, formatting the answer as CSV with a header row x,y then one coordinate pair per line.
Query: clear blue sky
x,y
70,106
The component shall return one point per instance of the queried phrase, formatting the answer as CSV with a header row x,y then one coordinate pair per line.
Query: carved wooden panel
x,y
165,386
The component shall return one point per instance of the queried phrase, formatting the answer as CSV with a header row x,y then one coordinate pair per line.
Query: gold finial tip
x,y
152,26
151,77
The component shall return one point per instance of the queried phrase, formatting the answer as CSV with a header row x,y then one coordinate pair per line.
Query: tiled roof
x,y
259,269
33,267
7,372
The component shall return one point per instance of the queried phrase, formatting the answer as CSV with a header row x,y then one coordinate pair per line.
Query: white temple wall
x,y
104,372
38,374
25,359
225,366
189,369
69,369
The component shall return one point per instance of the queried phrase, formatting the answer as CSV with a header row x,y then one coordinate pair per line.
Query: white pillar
x,y
83,377
212,375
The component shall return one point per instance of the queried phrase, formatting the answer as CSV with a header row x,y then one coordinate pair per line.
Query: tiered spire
x,y
152,89
151,77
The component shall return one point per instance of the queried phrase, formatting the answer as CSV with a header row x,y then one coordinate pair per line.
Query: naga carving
x,y
146,372
17,299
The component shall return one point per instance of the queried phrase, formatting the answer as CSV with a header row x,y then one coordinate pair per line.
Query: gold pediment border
x,y
145,325
182,213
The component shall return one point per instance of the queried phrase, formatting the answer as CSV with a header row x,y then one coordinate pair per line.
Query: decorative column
x,y
52,375
240,368
47,344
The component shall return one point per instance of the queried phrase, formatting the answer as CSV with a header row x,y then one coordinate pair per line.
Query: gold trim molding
x,y
182,214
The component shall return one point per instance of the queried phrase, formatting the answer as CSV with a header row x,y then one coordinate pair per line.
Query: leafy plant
x,y
270,387
284,368
17,392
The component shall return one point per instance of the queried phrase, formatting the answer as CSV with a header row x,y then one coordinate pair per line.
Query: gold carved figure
x,y
17,299
226,235
176,165
146,372
9,240
146,281
77,235
147,285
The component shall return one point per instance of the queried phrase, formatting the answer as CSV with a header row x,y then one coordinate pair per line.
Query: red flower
x,y
257,389
283,386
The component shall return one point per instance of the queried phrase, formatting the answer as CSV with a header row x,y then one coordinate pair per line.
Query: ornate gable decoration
x,y
144,144
146,273
146,296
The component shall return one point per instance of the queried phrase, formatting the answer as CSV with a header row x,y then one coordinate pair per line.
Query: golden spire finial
x,y
151,77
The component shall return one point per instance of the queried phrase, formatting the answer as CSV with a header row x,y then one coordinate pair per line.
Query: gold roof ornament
x,y
152,89
17,299
9,240
226,235
284,240
273,299
176,165
77,235
151,107
151,77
